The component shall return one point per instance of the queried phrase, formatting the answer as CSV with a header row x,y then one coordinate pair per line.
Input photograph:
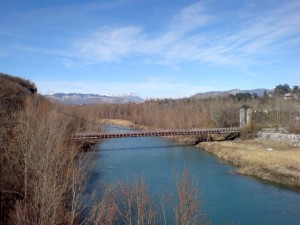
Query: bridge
x,y
96,136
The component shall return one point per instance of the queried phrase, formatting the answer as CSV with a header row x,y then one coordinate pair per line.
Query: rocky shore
x,y
293,139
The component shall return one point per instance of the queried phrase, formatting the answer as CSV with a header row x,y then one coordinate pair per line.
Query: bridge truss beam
x,y
156,133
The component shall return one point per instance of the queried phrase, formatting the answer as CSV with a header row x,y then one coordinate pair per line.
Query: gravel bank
x,y
293,139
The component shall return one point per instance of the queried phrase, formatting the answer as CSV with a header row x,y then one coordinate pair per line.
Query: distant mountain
x,y
259,92
81,99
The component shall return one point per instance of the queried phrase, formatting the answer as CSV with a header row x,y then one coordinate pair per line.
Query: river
x,y
226,197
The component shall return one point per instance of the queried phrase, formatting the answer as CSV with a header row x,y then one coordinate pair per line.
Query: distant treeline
x,y
243,96
270,109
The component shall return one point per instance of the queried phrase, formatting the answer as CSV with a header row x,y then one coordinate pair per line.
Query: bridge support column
x,y
245,116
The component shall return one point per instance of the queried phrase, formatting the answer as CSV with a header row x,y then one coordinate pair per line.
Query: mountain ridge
x,y
85,99
258,91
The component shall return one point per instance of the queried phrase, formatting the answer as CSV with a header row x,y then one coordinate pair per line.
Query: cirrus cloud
x,y
187,39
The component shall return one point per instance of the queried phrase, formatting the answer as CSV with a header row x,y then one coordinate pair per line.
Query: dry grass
x,y
125,123
118,122
273,161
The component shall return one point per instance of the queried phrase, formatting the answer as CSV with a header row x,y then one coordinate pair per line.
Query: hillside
x,y
13,91
37,157
259,92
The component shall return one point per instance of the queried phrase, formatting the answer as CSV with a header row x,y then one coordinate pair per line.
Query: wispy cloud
x,y
189,18
112,44
108,44
191,37
256,36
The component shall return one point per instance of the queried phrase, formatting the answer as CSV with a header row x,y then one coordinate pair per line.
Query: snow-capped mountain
x,y
81,99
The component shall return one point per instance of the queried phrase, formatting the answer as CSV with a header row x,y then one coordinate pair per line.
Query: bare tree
x,y
186,204
46,159
134,205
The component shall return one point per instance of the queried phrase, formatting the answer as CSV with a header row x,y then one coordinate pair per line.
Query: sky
x,y
155,49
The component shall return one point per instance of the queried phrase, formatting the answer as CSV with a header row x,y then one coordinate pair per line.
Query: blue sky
x,y
154,49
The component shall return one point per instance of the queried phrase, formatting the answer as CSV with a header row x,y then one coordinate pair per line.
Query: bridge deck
x,y
156,133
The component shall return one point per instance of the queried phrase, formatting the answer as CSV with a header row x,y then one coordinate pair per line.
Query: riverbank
x,y
268,158
123,123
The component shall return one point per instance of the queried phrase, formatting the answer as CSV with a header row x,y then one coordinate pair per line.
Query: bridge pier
x,y
245,116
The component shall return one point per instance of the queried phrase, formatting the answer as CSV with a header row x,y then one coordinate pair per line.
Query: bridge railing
x,y
156,133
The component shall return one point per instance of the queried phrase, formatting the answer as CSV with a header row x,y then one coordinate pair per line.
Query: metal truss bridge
x,y
155,133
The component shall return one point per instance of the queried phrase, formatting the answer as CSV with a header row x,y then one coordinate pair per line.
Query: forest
x,y
270,110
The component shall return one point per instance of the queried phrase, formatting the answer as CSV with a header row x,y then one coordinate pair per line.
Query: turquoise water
x,y
226,197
